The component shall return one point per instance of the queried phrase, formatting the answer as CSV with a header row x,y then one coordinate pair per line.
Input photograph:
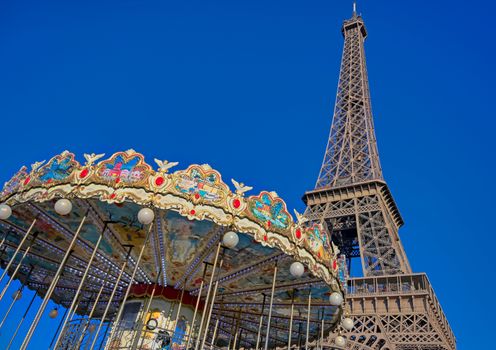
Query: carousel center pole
x,y
270,306
17,250
208,294
83,280
50,290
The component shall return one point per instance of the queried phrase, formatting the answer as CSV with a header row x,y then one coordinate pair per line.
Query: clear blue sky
x,y
248,87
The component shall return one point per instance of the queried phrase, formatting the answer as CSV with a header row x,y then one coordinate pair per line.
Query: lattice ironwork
x,y
351,154
393,309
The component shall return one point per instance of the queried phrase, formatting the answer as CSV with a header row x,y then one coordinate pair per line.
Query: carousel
x,y
140,257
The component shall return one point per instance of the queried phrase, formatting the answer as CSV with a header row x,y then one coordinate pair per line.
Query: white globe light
x,y
54,313
5,211
230,239
17,295
297,269
336,299
63,206
340,340
347,323
146,216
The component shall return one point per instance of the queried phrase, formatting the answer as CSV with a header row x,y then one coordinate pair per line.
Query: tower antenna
x,y
354,7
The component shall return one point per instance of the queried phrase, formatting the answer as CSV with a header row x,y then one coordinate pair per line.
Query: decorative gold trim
x,y
197,193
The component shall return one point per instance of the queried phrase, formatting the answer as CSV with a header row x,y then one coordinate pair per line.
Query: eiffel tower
x,y
393,308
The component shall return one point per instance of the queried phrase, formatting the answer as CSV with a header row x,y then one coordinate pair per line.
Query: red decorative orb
x,y
334,264
159,181
266,238
112,196
192,211
117,180
27,181
298,233
236,203
83,173
197,196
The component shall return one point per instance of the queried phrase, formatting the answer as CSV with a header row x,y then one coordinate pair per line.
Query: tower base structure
x,y
396,313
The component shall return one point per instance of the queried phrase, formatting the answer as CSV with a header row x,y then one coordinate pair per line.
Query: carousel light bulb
x,y
17,295
340,340
63,206
347,323
230,239
54,313
336,299
297,269
5,211
146,216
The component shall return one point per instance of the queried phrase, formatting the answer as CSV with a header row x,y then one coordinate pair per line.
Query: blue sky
x,y
248,87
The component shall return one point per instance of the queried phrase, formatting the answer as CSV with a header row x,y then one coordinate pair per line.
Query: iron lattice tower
x,y
393,308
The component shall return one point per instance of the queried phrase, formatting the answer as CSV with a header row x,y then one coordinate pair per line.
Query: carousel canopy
x,y
193,209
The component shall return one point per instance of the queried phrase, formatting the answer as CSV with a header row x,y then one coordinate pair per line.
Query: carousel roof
x,y
193,208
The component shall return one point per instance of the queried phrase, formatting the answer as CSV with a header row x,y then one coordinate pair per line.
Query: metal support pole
x,y
128,289
215,334
179,306
17,293
21,321
211,304
322,331
124,264
290,336
208,294
8,312
260,323
58,328
236,330
14,274
90,315
209,310
17,250
241,339
270,306
191,328
4,238
308,319
104,335
147,308
50,290
83,279
299,332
